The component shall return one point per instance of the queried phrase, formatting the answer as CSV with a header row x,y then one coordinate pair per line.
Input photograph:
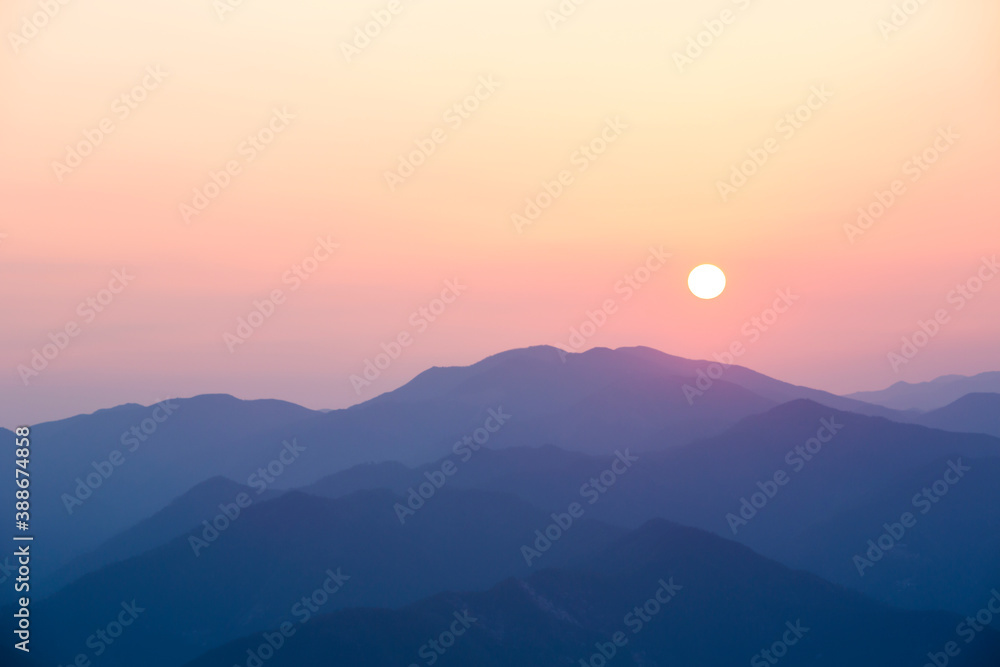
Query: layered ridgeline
x,y
662,595
231,576
802,483
108,470
769,482
974,413
208,519
183,515
931,395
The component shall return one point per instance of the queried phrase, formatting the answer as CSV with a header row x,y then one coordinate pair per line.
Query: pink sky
x,y
198,85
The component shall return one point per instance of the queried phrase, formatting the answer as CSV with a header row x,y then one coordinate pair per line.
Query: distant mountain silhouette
x,y
367,476
200,438
479,378
975,413
177,518
719,604
593,402
590,402
802,477
275,553
500,470
597,401
704,485
936,393
949,559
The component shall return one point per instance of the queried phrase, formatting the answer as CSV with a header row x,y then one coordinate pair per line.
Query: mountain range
x,y
936,393
661,595
536,490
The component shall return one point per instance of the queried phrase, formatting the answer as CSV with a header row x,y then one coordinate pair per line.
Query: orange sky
x,y
533,93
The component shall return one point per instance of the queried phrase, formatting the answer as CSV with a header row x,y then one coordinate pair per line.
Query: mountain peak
x,y
932,394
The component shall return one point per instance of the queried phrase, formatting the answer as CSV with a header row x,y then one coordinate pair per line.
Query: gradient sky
x,y
323,176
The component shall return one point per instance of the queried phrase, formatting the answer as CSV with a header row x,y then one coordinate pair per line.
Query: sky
x,y
514,169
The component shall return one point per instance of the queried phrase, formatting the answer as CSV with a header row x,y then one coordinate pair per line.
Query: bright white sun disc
x,y
707,281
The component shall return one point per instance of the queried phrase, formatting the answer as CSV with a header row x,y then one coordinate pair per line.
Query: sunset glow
x,y
208,149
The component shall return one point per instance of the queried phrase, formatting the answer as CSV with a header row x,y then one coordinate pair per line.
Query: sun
x,y
706,281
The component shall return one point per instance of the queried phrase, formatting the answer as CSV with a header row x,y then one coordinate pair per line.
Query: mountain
x,y
254,571
760,484
582,402
625,436
668,595
177,518
525,369
106,471
367,476
500,470
948,558
831,459
936,393
714,483
973,413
